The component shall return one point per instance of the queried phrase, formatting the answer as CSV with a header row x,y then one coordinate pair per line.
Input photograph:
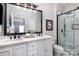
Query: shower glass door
x,y
65,32
61,30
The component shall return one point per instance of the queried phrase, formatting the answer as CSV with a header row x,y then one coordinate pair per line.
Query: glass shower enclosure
x,y
68,31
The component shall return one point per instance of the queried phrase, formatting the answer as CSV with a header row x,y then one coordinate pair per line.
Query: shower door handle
x,y
64,30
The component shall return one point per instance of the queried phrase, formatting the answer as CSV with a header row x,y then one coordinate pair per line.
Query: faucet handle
x,y
14,36
10,37
18,36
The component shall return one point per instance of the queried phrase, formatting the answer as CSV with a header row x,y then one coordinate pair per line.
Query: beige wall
x,y
71,6
66,7
60,8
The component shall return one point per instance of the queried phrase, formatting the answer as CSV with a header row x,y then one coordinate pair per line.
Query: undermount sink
x,y
29,36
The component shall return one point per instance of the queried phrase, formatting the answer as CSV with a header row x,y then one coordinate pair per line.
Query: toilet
x,y
59,51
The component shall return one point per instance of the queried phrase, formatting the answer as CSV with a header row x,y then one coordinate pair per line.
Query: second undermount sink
x,y
29,36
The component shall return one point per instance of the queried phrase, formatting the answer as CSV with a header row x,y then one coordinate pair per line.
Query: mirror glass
x,y
22,20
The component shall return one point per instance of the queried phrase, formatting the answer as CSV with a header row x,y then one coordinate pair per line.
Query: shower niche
x,y
68,31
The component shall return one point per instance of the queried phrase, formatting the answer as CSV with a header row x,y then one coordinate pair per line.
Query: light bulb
x,y
30,10
18,5
34,11
25,5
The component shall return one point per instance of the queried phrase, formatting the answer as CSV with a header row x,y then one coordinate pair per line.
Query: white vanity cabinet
x,y
45,47
20,50
31,47
6,51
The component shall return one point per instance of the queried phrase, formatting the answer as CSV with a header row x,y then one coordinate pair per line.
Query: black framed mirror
x,y
21,20
1,14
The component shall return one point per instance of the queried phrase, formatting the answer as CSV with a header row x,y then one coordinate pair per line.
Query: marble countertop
x,y
6,41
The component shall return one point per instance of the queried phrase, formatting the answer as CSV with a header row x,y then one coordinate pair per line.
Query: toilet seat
x,y
58,49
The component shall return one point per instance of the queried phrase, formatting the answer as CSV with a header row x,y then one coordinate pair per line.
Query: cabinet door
x,y
32,49
41,48
48,47
6,52
20,50
45,48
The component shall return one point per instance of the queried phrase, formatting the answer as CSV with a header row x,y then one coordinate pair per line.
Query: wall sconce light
x,y
27,5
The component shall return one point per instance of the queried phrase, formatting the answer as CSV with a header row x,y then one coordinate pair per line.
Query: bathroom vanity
x,y
38,46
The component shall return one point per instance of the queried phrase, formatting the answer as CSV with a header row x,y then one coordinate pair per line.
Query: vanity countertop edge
x,y
24,40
